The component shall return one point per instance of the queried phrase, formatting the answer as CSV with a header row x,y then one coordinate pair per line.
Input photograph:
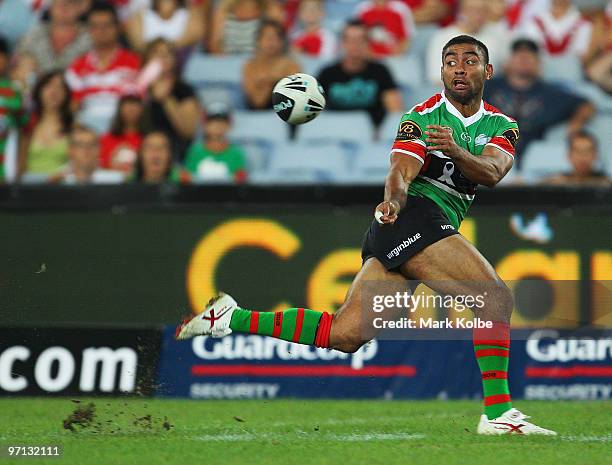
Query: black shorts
x,y
419,224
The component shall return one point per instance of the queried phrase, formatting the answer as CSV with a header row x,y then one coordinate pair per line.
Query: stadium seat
x,y
309,163
371,164
419,94
600,99
201,67
353,126
338,12
544,158
258,154
407,70
601,128
388,130
562,69
420,42
311,65
216,78
257,126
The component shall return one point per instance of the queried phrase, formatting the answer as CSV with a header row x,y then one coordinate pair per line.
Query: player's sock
x,y
492,348
294,324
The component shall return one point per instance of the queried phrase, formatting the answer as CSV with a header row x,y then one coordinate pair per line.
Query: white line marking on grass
x,y
584,438
241,437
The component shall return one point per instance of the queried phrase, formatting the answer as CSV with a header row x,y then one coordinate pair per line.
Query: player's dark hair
x,y
465,39
583,134
103,7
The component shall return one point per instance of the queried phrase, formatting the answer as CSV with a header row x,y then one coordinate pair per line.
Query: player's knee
x,y
502,298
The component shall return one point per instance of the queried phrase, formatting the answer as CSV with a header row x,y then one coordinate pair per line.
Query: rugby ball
x,y
298,98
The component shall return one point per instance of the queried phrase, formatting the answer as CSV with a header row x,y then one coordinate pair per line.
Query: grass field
x,y
293,432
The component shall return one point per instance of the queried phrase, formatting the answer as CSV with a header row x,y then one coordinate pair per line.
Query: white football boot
x,y
512,421
213,321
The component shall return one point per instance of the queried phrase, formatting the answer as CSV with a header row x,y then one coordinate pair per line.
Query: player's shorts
x,y
419,224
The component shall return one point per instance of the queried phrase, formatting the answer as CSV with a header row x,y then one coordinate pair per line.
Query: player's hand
x,y
440,138
386,212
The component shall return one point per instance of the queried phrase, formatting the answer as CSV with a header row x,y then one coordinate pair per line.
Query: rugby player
x,y
444,148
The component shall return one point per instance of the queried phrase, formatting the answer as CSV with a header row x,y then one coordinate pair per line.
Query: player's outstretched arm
x,y
487,169
401,173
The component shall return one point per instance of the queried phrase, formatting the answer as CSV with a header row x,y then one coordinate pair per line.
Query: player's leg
x,y
453,266
346,330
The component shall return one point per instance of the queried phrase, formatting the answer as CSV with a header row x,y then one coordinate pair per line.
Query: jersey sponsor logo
x,y
408,130
466,137
511,135
447,226
411,240
482,139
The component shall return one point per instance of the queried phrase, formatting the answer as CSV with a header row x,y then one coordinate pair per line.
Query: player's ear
x,y
488,71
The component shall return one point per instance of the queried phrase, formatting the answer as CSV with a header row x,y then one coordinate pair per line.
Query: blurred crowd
x,y
152,91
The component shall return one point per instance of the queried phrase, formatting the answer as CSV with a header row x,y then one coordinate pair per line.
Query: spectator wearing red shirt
x,y
390,25
119,147
99,77
312,38
560,30
441,12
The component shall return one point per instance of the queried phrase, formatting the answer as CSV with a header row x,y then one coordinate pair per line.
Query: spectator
x,y
55,44
560,30
269,64
83,151
99,77
215,158
12,113
535,104
582,156
155,161
472,20
390,25
236,22
313,39
519,13
166,19
599,57
119,147
441,12
358,83
172,106
45,151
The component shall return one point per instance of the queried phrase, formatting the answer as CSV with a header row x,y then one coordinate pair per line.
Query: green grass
x,y
294,432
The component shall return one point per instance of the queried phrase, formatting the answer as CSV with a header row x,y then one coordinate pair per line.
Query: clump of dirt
x,y
82,416
112,420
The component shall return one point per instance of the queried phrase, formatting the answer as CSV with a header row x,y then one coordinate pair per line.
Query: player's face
x,y
464,72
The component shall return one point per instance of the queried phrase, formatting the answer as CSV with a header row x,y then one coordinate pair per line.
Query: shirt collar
x,y
456,113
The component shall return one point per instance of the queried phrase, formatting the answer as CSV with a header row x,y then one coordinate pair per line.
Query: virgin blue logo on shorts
x,y
411,240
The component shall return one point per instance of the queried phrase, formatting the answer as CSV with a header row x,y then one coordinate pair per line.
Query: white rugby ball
x,y
298,98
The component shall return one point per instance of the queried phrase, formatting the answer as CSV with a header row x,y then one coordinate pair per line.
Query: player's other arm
x,y
401,173
487,169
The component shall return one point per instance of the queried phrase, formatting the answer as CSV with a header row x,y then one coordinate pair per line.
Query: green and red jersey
x,y
439,179
12,115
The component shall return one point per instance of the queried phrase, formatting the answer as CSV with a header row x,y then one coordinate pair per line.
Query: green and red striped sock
x,y
294,324
492,348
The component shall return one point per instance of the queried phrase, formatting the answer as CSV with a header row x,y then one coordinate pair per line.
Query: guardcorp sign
x,y
150,266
